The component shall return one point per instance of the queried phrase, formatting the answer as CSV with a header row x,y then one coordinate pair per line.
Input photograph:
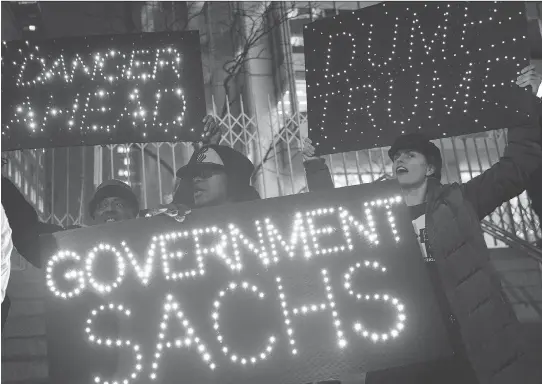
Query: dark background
x,y
62,95
247,324
440,68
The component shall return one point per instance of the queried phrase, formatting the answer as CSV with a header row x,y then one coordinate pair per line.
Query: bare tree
x,y
253,28
252,22
250,26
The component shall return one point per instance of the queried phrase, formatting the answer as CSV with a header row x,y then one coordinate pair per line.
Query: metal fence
x,y
59,182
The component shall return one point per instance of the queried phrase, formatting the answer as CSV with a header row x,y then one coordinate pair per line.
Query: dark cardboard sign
x,y
288,290
94,90
444,69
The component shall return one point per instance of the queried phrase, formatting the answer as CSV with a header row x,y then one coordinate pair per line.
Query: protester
x,y
487,339
219,175
183,191
118,201
25,230
8,251
7,248
113,201
215,175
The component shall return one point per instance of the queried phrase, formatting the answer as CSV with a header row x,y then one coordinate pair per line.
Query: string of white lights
x,y
106,69
191,339
121,266
304,236
235,357
74,274
115,343
408,56
385,298
298,237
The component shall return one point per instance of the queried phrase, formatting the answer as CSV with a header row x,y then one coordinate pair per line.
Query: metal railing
x,y
512,241
527,296
60,181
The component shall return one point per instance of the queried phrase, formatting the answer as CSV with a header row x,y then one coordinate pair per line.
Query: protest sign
x,y
95,90
443,69
288,290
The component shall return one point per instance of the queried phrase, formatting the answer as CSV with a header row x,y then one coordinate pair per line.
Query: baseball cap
x,y
113,188
420,143
237,167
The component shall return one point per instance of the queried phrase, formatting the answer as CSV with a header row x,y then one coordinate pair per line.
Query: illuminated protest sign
x,y
102,90
444,69
287,290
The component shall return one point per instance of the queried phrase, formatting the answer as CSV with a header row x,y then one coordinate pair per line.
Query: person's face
x,y
113,209
411,168
210,188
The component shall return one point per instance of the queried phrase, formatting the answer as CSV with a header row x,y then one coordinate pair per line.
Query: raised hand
x,y
308,149
211,130
529,76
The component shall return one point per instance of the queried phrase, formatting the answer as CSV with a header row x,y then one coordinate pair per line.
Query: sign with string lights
x,y
444,69
287,290
102,90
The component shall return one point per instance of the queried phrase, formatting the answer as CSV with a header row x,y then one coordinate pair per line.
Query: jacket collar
x,y
438,193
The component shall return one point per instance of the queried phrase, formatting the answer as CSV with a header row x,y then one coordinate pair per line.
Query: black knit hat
x,y
113,188
420,143
237,167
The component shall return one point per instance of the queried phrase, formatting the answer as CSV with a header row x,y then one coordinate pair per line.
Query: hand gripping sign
x,y
291,290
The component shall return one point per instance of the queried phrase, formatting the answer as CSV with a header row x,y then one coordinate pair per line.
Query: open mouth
x,y
401,170
198,190
111,219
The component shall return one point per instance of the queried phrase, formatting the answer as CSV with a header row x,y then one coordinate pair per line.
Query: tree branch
x,y
260,22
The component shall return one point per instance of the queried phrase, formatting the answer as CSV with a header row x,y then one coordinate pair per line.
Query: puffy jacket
x,y
493,338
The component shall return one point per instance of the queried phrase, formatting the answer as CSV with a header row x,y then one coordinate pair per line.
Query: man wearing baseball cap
x,y
219,175
113,201
487,339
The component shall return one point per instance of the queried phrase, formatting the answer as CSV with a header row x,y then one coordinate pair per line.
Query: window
x,y
301,92
296,41
298,44
18,178
303,16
